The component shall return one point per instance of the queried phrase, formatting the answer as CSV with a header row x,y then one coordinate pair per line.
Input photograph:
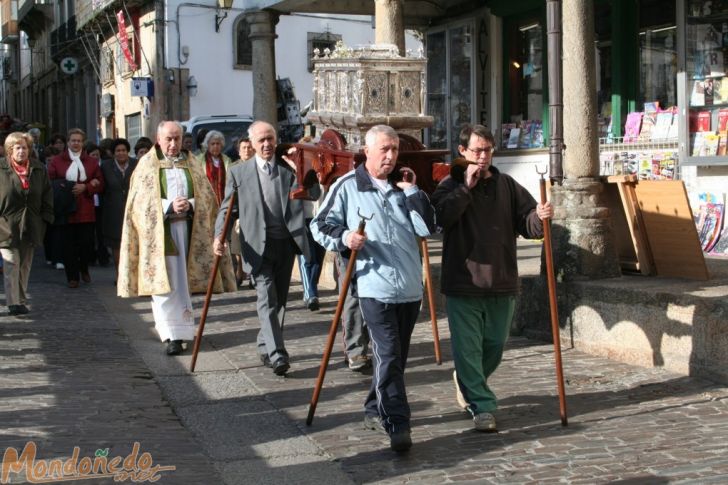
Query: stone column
x,y
389,23
262,37
584,246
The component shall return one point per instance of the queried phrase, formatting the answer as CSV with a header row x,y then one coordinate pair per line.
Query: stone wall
x,y
640,320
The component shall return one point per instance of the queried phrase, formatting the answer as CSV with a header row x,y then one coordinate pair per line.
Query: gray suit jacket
x,y
249,210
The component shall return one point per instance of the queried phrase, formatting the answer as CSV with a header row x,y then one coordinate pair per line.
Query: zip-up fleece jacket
x,y
480,226
388,267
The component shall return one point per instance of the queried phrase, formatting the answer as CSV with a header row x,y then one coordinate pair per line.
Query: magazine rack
x,y
655,230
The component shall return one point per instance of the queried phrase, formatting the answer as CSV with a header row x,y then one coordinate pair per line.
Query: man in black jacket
x,y
482,211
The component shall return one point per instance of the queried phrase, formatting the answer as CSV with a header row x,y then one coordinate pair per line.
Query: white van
x,y
232,126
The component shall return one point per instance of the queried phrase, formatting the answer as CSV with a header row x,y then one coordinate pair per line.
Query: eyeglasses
x,y
480,151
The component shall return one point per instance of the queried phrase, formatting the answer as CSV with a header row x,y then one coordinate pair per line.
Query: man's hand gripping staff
x,y
355,241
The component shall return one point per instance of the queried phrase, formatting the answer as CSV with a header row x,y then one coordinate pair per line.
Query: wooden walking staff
x,y
335,322
431,299
211,282
548,256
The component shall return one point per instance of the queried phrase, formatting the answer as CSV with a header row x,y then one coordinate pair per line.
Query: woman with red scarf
x,y
216,166
216,162
26,205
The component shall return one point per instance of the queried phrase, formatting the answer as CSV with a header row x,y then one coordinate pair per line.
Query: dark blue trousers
x,y
390,328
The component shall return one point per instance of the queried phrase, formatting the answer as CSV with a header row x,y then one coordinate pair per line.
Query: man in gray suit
x,y
271,234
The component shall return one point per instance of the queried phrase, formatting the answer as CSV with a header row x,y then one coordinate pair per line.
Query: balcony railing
x,y
63,39
26,6
88,10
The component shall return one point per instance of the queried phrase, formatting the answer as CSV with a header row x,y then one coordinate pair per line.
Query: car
x,y
232,126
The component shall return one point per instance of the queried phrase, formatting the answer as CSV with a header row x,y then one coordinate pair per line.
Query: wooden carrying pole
x,y
211,283
548,256
431,299
334,326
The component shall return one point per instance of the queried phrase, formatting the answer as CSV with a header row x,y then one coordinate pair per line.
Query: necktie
x,y
267,168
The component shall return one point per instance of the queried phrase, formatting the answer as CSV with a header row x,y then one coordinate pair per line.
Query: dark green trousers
x,y
479,328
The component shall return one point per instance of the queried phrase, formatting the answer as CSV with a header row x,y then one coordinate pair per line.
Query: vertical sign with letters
x,y
483,72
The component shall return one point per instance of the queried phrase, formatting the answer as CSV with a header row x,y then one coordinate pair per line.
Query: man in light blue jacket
x,y
388,267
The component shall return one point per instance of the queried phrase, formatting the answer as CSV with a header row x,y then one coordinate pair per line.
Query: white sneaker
x,y
458,393
484,422
60,266
359,363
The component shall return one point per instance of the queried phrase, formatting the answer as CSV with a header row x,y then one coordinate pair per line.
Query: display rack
x,y
614,152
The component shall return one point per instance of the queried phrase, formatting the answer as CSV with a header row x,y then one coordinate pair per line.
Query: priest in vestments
x,y
166,242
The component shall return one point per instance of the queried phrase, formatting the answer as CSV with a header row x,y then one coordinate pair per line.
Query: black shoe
x,y
174,347
400,441
265,360
281,366
17,310
313,304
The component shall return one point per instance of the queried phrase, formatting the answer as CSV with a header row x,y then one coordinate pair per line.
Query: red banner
x,y
124,40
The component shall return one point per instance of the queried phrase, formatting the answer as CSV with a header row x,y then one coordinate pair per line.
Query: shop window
x,y
449,84
645,92
658,53
133,127
121,62
707,82
320,41
437,136
242,45
523,126
603,57
107,66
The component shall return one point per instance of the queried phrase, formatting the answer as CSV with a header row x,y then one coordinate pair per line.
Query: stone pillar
x,y
583,238
580,109
262,38
389,23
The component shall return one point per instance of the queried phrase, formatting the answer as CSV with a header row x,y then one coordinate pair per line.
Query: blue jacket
x,y
388,267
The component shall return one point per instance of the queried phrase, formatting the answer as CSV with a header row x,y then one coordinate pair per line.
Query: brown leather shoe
x,y
86,277
73,284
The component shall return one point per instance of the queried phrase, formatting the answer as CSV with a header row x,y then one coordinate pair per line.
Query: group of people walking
x,y
172,228
49,195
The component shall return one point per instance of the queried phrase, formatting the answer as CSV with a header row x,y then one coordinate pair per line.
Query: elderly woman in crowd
x,y
216,162
117,173
80,174
216,166
26,205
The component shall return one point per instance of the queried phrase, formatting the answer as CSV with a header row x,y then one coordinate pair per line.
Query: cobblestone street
x,y
86,369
